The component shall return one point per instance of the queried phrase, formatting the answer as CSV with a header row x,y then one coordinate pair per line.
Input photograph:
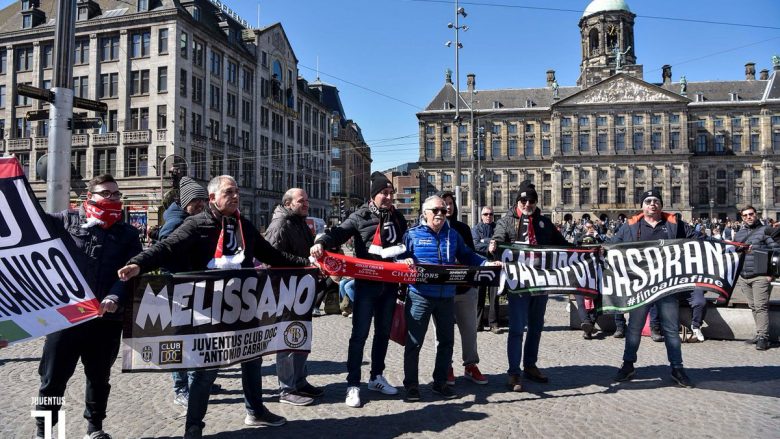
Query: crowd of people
x,y
205,230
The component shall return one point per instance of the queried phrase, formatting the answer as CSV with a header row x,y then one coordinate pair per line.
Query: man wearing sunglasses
x,y
482,233
106,242
756,287
525,224
650,225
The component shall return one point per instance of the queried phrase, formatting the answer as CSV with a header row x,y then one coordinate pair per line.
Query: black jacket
x,y
104,252
289,232
629,231
195,241
761,237
508,229
361,226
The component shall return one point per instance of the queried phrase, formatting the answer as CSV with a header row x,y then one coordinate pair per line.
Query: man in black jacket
x,y
106,242
526,224
377,229
289,233
482,233
465,304
753,283
196,243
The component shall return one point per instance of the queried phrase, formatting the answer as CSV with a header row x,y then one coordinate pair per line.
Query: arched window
x,y
594,41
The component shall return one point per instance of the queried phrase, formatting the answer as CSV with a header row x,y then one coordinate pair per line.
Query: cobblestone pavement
x,y
737,394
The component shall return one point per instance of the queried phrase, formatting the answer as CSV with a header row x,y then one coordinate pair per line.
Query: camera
x,y
767,262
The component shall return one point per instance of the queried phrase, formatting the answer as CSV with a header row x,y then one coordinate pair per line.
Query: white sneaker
x,y
353,396
380,384
697,334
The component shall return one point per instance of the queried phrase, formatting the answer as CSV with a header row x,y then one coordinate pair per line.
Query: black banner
x,y
217,318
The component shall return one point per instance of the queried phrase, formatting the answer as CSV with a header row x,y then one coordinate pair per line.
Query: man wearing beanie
x,y
652,224
526,224
192,199
378,230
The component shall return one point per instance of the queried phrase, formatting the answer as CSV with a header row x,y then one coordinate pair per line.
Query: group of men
x,y
207,231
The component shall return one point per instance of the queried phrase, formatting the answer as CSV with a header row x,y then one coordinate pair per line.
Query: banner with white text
x,y
548,269
42,288
217,318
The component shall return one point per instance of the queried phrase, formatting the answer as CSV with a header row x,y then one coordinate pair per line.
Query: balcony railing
x,y
80,140
19,144
141,136
105,139
41,142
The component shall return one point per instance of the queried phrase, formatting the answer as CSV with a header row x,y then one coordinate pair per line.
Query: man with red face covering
x,y
107,243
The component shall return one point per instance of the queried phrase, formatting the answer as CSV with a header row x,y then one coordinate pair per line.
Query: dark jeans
x,y
181,381
492,318
373,300
200,391
96,343
620,319
698,306
524,310
669,314
419,310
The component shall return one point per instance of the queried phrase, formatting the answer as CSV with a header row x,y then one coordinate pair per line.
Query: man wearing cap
x,y
525,224
649,225
378,230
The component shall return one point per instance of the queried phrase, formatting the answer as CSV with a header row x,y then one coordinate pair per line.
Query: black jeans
x,y
492,317
96,343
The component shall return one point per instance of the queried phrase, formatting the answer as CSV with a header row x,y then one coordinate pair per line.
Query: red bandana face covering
x,y
103,213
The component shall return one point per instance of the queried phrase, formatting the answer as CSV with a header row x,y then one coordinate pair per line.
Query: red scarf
x,y
531,231
104,212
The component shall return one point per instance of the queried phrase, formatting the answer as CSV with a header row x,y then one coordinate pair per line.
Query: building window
x,y
566,196
621,195
109,85
620,141
197,53
566,143
162,79
198,164
601,142
136,162
736,142
139,44
754,122
46,56
3,61
24,59
232,110
2,96
23,128
620,121
655,141
109,48
674,140
674,118
754,142
81,86
545,127
215,95
162,41
183,45
26,21
23,101
565,122
585,195
639,141
584,121
139,82
704,195
655,119
496,129
512,152
162,117
601,121
676,195
701,143
462,150
603,195
232,72
183,83
429,150
139,119
104,161
720,144
512,128
584,142
446,178
545,147
78,161
776,141
197,89
495,148
143,5
638,119
216,63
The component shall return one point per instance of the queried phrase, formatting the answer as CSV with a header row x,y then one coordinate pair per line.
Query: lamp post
x,y
712,206
457,28
173,169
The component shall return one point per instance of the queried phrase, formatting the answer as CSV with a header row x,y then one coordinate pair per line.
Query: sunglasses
x,y
527,200
749,214
109,194
650,201
437,211
487,214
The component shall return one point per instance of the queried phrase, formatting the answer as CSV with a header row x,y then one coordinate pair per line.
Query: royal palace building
x,y
591,148
188,85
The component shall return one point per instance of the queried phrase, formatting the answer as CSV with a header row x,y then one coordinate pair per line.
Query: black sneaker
x,y
655,334
762,343
626,372
444,390
587,330
412,394
620,332
311,391
753,340
678,374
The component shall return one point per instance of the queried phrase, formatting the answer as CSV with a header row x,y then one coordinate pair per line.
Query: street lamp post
x,y
712,206
457,28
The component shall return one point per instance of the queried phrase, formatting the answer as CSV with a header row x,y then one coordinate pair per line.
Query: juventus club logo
x,y
391,235
231,232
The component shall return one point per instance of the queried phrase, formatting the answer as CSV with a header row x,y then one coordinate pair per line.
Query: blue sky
x,y
396,49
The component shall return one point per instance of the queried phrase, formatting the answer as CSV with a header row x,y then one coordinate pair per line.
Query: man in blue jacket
x,y
433,242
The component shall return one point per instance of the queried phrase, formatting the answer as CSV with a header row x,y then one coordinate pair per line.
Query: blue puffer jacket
x,y
443,248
